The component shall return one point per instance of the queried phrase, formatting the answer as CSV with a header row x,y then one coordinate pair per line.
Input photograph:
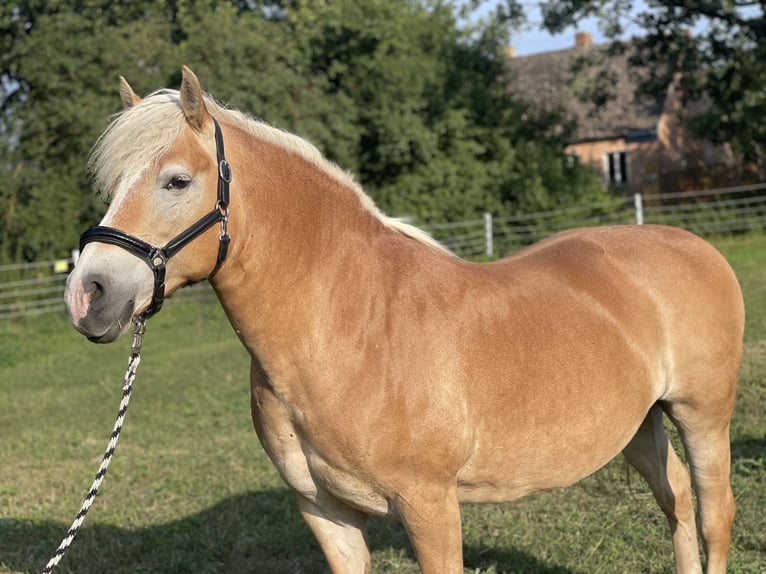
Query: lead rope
x,y
139,328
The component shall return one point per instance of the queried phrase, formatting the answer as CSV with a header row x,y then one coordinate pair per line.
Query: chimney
x,y
583,39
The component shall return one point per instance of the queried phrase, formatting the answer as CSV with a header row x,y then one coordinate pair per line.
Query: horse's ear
x,y
127,95
192,102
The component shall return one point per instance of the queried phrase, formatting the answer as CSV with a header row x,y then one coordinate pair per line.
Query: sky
x,y
532,40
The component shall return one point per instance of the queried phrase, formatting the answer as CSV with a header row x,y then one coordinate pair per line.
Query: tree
x,y
402,92
437,129
55,102
717,49
269,73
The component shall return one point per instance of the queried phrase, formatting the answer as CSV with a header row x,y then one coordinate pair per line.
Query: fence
x,y
36,288
709,212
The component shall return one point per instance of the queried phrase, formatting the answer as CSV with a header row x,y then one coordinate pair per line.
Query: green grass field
x,y
190,489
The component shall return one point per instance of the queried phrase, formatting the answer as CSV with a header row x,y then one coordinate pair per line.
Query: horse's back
x,y
678,272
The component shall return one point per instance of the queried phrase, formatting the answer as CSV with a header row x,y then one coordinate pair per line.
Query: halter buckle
x,y
224,171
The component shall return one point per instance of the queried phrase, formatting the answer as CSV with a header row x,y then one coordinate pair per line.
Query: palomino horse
x,y
390,377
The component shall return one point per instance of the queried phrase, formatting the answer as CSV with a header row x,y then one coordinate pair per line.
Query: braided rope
x,y
139,328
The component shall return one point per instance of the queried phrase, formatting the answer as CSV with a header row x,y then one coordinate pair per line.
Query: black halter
x,y
157,257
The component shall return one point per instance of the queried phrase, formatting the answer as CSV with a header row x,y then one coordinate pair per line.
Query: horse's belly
x,y
559,402
521,473
519,452
508,482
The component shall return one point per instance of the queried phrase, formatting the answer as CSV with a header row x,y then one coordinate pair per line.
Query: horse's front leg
x,y
431,515
341,532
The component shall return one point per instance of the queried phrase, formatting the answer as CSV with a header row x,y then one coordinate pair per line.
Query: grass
x,y
190,489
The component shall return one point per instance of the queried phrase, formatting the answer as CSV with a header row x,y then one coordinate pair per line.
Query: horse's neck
x,y
299,248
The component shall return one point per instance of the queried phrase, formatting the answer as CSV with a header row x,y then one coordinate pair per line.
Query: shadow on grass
x,y
749,448
259,532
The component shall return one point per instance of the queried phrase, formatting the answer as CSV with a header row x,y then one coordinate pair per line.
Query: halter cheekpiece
x,y
157,257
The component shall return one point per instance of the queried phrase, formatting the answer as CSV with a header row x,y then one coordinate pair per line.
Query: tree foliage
x,y
717,49
406,94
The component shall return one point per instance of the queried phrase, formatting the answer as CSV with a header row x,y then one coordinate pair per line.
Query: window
x,y
616,168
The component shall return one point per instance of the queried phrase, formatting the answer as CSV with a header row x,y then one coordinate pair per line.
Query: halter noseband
x,y
157,257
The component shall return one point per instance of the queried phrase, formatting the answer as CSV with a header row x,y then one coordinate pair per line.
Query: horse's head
x,y
160,163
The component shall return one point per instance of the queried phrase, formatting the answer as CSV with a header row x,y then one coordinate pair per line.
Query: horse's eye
x,y
178,183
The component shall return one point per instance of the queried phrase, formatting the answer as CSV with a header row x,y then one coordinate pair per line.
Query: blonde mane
x,y
142,133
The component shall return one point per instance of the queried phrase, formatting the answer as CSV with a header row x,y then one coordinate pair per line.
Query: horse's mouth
x,y
114,331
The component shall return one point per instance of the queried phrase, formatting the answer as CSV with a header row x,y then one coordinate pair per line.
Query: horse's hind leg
x,y
341,532
651,453
706,439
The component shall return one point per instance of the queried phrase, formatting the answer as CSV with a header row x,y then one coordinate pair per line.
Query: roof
x,y
592,85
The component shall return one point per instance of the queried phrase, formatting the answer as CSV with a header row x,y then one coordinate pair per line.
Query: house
x,y
638,144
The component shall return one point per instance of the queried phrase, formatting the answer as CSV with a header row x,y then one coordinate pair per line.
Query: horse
x,y
390,377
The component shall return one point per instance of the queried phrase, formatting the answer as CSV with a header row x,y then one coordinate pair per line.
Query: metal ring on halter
x,y
224,170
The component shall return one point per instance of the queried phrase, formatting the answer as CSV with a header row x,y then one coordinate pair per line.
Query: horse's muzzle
x,y
96,308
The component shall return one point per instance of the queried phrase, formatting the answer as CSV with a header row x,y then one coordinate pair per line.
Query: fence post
x,y
488,246
638,202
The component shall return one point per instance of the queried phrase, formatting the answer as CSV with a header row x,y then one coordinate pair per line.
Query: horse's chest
x,y
310,473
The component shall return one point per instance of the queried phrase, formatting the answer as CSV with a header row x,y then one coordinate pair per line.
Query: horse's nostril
x,y
96,291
